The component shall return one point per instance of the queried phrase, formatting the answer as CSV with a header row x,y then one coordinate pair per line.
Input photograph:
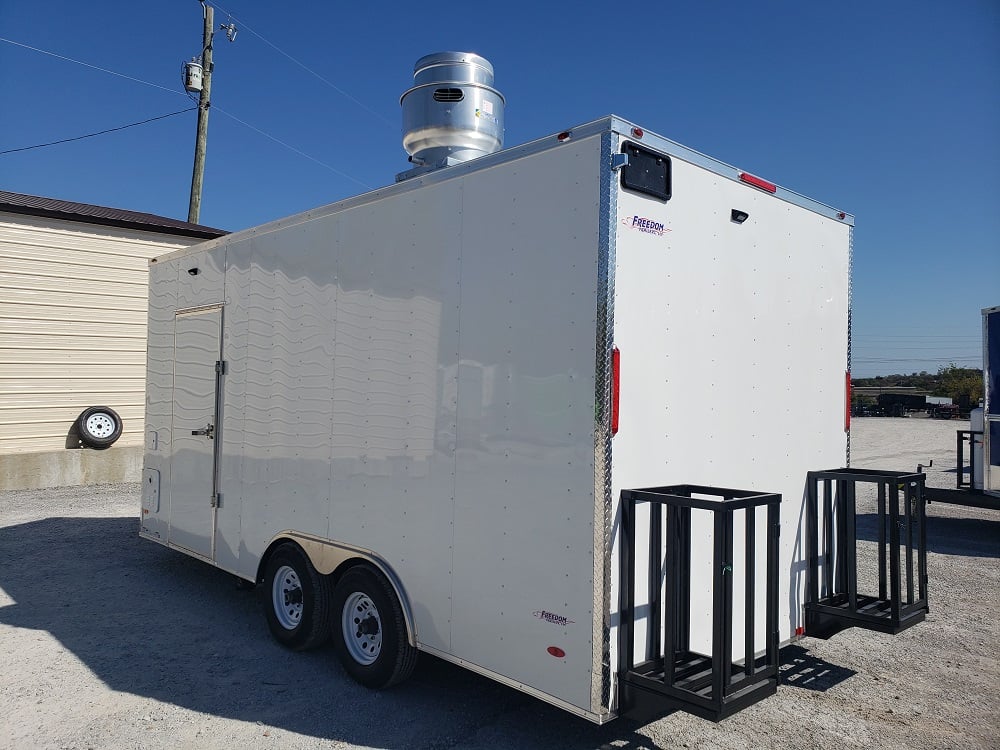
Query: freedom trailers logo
x,y
643,224
555,619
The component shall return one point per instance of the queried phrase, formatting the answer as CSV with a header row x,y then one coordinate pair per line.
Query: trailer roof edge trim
x,y
680,151
610,123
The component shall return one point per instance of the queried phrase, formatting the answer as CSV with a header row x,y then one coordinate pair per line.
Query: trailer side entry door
x,y
197,335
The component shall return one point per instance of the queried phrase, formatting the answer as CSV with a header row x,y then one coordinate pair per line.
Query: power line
x,y
901,357
292,148
88,65
867,360
953,341
184,93
276,48
920,331
100,132
888,348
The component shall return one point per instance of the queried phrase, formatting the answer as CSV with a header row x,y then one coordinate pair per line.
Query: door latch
x,y
208,431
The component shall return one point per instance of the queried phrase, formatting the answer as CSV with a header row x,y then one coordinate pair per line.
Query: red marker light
x,y
800,630
564,136
616,376
847,407
556,652
749,179
841,215
637,133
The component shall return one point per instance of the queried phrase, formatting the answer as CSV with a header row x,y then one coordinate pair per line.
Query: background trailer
x,y
450,381
990,419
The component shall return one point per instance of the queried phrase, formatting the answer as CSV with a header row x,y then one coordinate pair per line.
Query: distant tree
x,y
922,381
957,382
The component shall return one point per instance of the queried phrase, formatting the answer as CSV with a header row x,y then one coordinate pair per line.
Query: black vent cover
x,y
448,95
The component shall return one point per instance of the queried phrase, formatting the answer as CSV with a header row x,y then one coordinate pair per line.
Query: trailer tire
x,y
99,427
296,599
369,630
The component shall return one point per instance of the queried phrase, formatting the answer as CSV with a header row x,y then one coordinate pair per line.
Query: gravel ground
x,y
107,641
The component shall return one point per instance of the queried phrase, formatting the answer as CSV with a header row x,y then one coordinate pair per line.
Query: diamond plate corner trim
x,y
601,673
850,315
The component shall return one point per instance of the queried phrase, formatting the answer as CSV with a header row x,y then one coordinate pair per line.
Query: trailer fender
x,y
329,556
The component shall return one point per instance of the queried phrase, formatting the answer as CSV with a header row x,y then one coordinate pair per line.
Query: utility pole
x,y
204,102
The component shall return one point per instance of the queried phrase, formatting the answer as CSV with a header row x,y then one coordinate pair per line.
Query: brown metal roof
x,y
33,205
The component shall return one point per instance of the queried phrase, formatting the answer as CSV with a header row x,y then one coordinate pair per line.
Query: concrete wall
x,y
26,471
72,335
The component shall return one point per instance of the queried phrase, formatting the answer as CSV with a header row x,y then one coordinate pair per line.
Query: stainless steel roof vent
x,y
452,113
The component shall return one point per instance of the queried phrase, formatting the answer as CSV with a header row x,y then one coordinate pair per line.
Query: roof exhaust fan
x,y
452,113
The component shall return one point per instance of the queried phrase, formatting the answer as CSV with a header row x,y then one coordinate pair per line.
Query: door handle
x,y
208,431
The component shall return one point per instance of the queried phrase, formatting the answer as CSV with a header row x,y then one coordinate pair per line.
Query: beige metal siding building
x,y
73,286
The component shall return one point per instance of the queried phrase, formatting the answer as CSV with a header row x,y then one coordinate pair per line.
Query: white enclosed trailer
x,y
982,487
410,415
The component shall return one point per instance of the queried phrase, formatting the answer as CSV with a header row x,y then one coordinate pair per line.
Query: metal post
x,y
850,545
827,555
682,628
881,516
959,475
727,644
720,579
840,544
771,618
812,541
971,484
922,540
910,502
204,102
626,597
670,593
749,593
653,584
893,501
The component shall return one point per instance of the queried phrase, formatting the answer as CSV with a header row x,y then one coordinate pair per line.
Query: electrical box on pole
x,y
193,76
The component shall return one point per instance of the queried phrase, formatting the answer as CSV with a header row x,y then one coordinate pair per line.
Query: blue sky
x,y
888,110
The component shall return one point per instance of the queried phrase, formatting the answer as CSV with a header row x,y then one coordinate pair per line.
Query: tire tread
x,y
379,675
314,630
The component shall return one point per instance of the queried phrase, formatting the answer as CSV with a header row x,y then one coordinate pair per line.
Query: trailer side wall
x,y
411,375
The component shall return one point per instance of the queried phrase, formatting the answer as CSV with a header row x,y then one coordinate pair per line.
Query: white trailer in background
x,y
982,486
410,415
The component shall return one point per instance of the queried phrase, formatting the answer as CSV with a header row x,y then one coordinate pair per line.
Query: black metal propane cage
x,y
833,601
670,674
667,673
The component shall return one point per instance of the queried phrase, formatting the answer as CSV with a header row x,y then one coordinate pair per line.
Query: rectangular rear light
x,y
847,408
616,360
749,179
